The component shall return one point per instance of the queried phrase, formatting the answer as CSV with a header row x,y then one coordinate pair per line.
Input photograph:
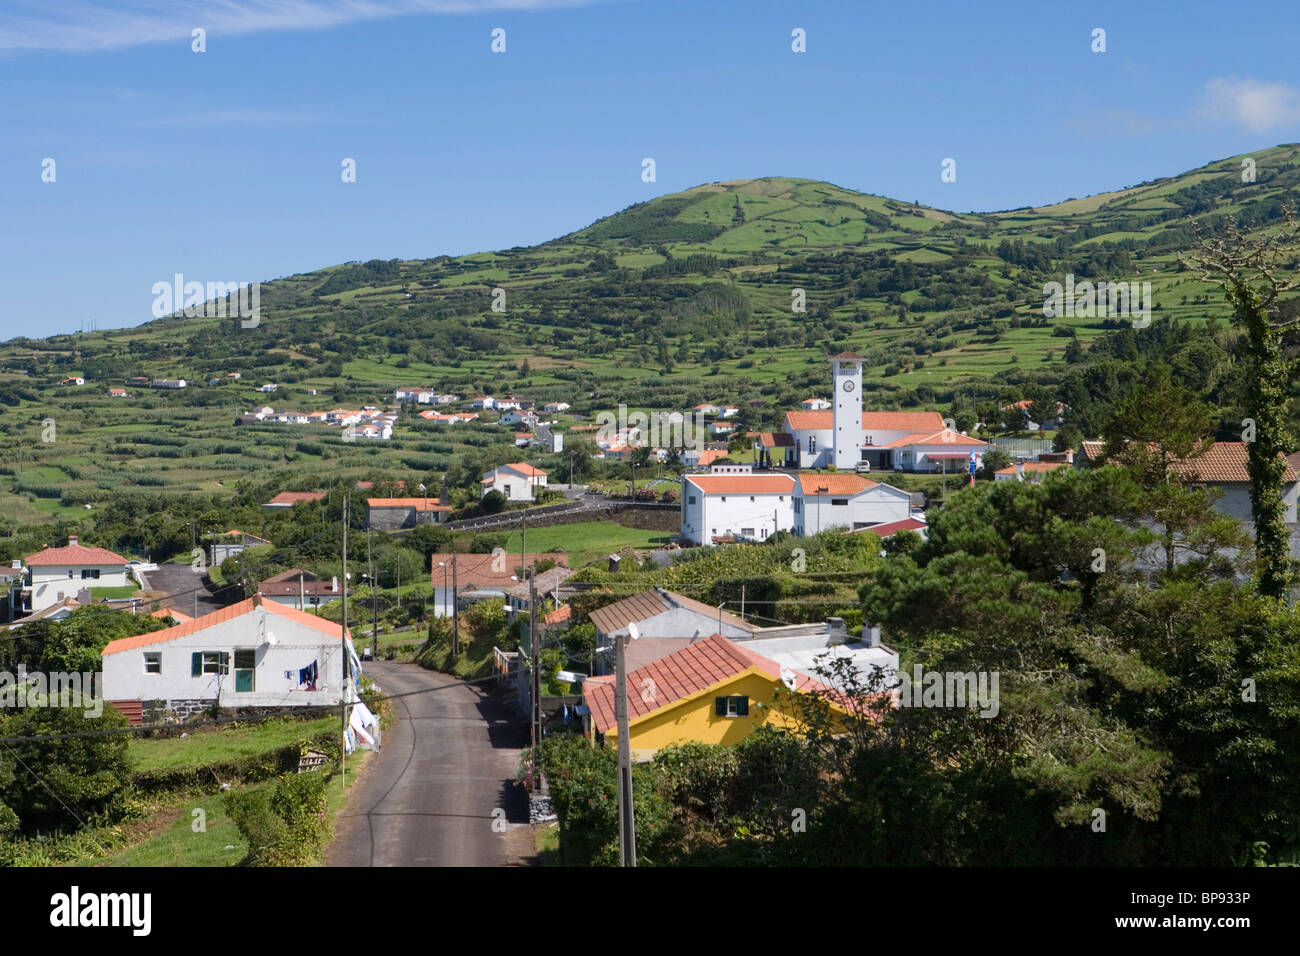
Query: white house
x,y
300,589
814,404
944,450
256,653
845,500
1222,467
58,573
231,543
465,578
743,507
557,406
516,481
268,387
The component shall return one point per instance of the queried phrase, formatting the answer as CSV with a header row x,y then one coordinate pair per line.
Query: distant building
x,y
117,393
287,499
301,589
516,481
736,507
392,514
168,383
58,573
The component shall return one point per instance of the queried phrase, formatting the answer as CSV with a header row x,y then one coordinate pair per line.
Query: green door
x,y
245,663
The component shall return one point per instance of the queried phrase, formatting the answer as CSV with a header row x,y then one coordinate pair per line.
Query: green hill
x,y
681,299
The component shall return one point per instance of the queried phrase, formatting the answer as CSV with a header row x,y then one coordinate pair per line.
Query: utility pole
x,y
343,649
742,602
535,639
626,813
455,612
302,594
374,597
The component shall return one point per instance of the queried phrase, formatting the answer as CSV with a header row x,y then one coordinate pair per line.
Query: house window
x,y
731,706
690,500
89,573
153,662
245,667
209,662
507,491
839,501
747,532
751,497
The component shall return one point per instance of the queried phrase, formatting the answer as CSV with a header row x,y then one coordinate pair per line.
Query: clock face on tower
x,y
848,385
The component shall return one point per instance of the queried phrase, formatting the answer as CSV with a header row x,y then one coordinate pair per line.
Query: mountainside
x,y
685,298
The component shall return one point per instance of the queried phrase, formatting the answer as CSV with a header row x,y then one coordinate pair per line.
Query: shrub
x,y
284,827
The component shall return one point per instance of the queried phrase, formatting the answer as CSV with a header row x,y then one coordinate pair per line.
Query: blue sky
x,y
225,165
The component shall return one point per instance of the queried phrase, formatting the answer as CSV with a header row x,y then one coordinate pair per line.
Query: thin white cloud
x,y
1256,105
237,117
88,25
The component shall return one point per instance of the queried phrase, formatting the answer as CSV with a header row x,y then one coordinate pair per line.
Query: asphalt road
x,y
448,762
182,581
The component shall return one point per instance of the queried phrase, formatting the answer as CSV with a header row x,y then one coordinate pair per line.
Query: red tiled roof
x,y
166,612
891,527
73,555
1224,461
711,455
943,436
648,604
476,571
293,497
525,469
561,614
220,617
693,669
743,484
824,419
1034,466
420,504
1221,463
812,483
776,439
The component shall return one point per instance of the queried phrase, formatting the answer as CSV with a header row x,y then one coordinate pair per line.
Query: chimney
x,y
871,634
72,540
614,561
836,632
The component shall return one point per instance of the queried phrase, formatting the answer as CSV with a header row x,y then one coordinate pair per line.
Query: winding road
x,y
444,777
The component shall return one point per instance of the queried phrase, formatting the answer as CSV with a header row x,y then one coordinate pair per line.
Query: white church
x,y
849,439
735,503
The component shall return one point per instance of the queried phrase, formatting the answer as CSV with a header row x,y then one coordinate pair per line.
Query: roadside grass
x,y
227,743
219,842
546,838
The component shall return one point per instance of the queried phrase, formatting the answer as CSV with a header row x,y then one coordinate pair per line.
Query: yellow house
x,y
713,691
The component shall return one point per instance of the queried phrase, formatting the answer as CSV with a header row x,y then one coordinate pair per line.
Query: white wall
x,y
714,515
51,583
1235,500
877,505
297,645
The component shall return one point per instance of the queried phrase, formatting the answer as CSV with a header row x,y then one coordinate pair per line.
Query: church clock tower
x,y
847,437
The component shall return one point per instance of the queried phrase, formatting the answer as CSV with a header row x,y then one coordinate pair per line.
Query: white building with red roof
x,y
845,500
517,481
58,573
736,507
256,653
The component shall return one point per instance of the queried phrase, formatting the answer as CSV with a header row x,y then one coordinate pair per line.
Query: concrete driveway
x,y
445,774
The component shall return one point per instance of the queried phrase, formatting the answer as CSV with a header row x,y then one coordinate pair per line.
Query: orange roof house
x,y
711,691
255,653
